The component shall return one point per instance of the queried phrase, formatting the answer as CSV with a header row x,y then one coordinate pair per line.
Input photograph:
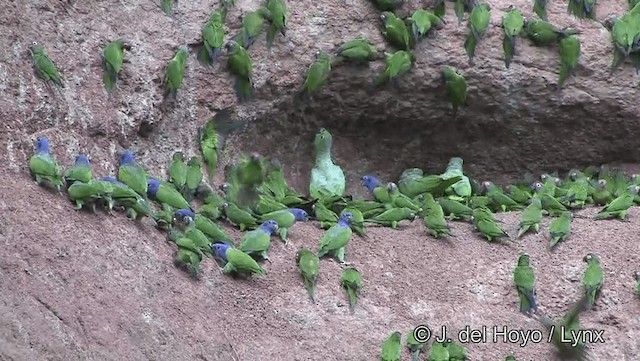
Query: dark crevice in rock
x,y
412,125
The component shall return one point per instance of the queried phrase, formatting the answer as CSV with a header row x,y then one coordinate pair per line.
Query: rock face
x,y
77,286
515,120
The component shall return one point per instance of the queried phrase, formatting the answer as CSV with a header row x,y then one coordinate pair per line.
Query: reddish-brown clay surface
x,y
76,286
81,287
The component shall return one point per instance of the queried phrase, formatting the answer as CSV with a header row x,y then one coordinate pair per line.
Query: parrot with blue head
x,y
43,167
285,218
132,174
80,171
336,238
379,191
236,260
165,194
258,241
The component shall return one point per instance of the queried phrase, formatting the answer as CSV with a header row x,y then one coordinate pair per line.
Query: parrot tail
x,y
203,57
271,35
353,298
309,285
244,89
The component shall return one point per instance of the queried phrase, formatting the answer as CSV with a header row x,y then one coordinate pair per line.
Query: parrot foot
x,y
346,264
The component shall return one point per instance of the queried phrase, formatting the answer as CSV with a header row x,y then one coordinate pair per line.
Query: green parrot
x,y
387,5
238,216
439,8
525,280
167,5
318,73
569,56
178,171
540,8
499,200
457,352
593,279
636,276
351,280
582,9
309,267
212,137
258,241
462,6
194,177
484,222
433,217
512,24
43,167
456,87
285,219
188,261
560,228
530,218
462,188
478,24
236,260
519,193
266,204
276,183
392,347
324,215
198,241
618,207
357,222
278,18
510,357
399,200
212,38
336,238
543,33
397,64
549,202
132,174
326,177
44,66
252,25
124,196
601,195
211,229
392,217
625,33
421,22
239,63
413,182
414,346
89,193
174,73
358,50
112,59
80,171
563,330
395,31
454,209
439,351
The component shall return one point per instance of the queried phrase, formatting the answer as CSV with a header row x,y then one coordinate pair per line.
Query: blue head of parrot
x,y
42,145
127,157
300,214
220,249
82,159
370,182
345,220
269,227
152,187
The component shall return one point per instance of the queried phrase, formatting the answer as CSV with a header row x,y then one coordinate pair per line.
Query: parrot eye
x,y
34,43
